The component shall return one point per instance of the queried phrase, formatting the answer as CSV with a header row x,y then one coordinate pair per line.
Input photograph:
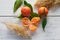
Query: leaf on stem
x,y
44,22
29,5
17,4
33,14
20,16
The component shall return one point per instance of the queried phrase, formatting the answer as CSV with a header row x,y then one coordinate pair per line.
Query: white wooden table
x,y
52,28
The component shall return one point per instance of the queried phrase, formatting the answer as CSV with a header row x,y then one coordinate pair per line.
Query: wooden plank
x,y
52,31
6,8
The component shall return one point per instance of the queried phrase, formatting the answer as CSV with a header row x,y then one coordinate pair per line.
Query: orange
x,y
25,22
32,28
35,20
26,11
43,11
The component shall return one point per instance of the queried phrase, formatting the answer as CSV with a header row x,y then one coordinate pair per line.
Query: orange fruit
x,y
43,11
26,11
35,20
32,28
25,22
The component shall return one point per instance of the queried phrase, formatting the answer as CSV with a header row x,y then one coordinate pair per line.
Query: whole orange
x,y
43,11
26,11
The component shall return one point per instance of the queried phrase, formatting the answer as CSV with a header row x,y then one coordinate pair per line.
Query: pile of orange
x,y
32,24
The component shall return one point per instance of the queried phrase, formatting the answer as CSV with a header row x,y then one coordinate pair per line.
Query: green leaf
x,y
20,16
17,4
29,5
44,22
33,14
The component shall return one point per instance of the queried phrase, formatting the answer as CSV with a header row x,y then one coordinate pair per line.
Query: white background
x,y
52,28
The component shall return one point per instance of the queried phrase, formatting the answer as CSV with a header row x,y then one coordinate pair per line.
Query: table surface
x,y
6,15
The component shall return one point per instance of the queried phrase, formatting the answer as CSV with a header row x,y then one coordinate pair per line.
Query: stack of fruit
x,y
32,24
31,19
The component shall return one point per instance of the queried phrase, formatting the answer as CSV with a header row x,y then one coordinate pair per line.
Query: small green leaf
x,y
29,5
44,22
17,4
33,14
20,16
